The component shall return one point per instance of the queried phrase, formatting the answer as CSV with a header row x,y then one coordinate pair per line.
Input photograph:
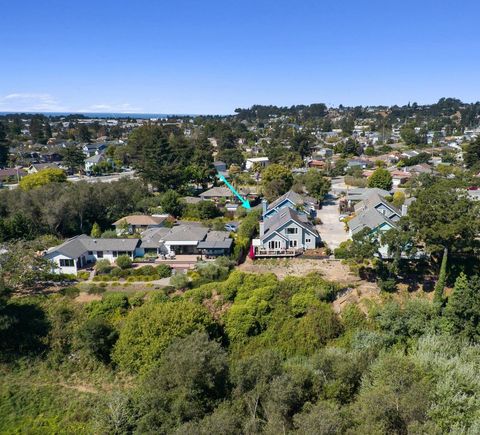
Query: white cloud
x,y
30,102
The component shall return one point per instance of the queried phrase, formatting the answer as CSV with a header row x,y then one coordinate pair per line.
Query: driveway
x,y
332,231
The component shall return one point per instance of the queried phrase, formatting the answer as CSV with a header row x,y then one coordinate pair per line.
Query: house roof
x,y
97,158
72,248
152,238
293,197
186,232
76,246
369,218
140,220
216,240
41,166
191,199
217,192
361,193
11,172
286,215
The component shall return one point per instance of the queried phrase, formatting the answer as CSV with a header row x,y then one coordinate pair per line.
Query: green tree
x,y
151,328
443,217
83,133
381,178
171,203
398,198
73,157
301,144
43,177
4,146
36,129
394,395
442,277
97,337
96,231
463,308
276,180
472,153
317,185
190,379
155,160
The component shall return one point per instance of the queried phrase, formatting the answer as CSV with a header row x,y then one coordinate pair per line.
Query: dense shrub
x,y
124,262
149,329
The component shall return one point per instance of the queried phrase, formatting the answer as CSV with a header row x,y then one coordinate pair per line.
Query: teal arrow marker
x,y
245,202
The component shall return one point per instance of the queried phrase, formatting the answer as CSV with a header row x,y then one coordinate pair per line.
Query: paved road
x,y
332,231
101,179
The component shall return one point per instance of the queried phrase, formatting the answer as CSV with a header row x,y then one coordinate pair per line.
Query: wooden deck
x,y
264,253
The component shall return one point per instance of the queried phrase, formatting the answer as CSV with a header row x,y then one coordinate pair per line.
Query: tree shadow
x,y
25,333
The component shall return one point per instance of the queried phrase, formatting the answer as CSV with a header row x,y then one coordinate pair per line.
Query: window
x,y
292,243
100,254
90,252
308,240
115,254
67,262
293,230
274,244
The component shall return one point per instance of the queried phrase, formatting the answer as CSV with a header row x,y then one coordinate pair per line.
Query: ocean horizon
x,y
109,114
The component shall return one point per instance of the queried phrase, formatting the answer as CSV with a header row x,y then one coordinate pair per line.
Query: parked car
x,y
231,226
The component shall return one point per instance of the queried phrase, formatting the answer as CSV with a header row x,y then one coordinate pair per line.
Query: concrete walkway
x,y
331,231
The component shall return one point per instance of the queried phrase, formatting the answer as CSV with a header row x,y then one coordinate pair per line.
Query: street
x,y
331,231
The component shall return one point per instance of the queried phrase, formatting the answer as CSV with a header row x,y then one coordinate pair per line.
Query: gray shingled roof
x,y
97,158
284,216
295,197
183,233
369,218
72,248
152,238
76,246
217,192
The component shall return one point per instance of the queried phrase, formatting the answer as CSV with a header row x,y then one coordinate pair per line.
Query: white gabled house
x,y
81,251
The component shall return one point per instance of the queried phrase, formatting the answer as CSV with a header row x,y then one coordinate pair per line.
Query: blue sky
x,y
213,56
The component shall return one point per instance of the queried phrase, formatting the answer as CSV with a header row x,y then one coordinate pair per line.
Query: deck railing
x,y
281,252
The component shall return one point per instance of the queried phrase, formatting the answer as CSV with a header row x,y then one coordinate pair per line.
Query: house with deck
x,y
287,233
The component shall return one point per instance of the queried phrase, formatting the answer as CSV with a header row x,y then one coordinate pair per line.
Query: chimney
x,y
404,209
261,229
264,206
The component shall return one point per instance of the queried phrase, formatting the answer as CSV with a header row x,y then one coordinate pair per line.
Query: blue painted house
x,y
303,204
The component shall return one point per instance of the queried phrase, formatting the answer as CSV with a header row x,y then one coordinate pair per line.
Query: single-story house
x,y
190,238
79,251
138,223
259,161
37,167
12,174
217,193
215,244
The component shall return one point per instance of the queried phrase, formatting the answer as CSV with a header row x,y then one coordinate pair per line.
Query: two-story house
x,y
291,199
285,229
